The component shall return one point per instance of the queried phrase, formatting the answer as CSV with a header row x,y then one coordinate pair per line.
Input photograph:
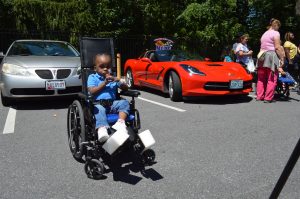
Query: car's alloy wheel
x,y
171,89
175,90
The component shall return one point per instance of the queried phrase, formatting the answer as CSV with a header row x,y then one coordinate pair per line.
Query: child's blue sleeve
x,y
91,81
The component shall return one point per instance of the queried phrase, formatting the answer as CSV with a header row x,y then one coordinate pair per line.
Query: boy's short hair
x,y
101,55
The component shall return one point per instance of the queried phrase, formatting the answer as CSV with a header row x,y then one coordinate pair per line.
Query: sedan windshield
x,y
175,55
42,48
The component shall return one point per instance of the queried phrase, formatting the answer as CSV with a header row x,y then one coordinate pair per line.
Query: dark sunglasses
x,y
104,66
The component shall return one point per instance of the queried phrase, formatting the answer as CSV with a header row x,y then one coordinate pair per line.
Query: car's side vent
x,y
44,74
214,65
63,73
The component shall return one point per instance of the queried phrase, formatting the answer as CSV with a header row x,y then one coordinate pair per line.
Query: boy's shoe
x,y
102,134
119,125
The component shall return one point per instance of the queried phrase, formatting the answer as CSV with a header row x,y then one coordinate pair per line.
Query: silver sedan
x,y
39,68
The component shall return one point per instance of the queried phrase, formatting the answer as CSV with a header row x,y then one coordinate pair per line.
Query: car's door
x,y
141,67
155,69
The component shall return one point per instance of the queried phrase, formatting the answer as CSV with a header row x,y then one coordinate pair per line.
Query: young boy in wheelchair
x,y
104,89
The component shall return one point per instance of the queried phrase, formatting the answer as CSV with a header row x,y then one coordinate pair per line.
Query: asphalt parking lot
x,y
206,148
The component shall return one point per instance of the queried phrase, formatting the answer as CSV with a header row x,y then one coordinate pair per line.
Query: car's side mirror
x,y
145,59
1,55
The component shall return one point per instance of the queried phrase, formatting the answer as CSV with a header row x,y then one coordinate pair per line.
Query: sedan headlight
x,y
15,70
192,70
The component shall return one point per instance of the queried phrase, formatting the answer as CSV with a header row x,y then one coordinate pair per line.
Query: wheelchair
x,y
82,135
283,85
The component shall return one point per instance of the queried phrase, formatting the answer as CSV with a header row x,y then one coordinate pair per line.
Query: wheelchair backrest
x,y
89,47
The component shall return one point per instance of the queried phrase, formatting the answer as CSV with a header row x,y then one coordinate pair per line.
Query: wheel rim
x,y
129,78
171,89
74,136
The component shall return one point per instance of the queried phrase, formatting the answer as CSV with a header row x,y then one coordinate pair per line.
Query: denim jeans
x,y
117,106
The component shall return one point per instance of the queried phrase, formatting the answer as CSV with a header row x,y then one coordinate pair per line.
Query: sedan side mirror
x,y
145,59
1,54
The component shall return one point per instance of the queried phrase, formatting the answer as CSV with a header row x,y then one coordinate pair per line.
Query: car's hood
x,y
218,68
44,61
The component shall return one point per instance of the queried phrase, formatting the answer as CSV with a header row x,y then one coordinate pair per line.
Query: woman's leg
x,y
261,83
272,82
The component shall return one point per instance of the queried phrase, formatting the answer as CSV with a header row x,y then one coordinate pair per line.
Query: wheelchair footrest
x,y
147,139
115,141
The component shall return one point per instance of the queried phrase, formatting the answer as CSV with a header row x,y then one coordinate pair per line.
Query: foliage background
x,y
196,25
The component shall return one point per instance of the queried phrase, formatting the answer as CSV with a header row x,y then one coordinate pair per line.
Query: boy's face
x,y
102,65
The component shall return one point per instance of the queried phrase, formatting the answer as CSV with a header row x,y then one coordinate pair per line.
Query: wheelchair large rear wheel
x,y
76,130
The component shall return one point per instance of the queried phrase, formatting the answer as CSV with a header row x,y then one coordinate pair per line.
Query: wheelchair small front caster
x,y
148,157
94,169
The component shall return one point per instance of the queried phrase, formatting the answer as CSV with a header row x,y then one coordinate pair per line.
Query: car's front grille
x,y
63,73
71,89
217,86
44,74
31,91
224,86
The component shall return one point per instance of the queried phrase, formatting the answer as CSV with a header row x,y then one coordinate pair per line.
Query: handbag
x,y
250,65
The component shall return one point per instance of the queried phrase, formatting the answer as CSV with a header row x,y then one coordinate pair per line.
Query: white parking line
x,y
160,104
9,126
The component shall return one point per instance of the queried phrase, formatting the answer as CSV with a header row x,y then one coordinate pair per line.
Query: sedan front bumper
x,y
15,86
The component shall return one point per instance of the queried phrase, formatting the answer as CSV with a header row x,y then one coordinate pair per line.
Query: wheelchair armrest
x,y
131,93
85,97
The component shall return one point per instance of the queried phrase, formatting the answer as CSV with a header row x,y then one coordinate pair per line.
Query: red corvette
x,y
175,73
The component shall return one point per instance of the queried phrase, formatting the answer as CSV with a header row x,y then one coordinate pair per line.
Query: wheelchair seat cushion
x,y
286,80
112,118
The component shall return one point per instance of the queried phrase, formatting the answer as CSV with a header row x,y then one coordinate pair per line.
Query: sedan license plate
x,y
55,84
236,84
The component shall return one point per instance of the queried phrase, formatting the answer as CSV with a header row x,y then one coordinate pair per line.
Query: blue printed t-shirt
x,y
110,90
244,48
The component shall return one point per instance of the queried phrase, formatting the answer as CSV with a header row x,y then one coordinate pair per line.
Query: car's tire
x,y
129,78
174,87
5,101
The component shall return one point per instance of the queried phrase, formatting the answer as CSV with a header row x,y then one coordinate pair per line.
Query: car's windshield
x,y
175,55
42,48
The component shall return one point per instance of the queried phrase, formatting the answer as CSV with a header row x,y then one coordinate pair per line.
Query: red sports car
x,y
176,73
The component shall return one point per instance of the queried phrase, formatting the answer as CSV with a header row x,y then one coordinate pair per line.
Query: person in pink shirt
x,y
270,62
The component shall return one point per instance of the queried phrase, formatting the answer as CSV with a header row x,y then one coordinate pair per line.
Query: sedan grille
x,y
63,73
44,74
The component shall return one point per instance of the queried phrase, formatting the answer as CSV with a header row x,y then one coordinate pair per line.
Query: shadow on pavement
x,y
218,100
43,103
124,167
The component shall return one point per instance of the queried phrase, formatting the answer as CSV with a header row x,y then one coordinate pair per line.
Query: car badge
x,y
54,72
230,74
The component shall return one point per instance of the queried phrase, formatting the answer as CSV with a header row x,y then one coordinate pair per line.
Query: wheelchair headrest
x,y
89,47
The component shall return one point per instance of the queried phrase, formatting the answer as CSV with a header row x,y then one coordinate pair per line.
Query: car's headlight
x,y
192,70
15,70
